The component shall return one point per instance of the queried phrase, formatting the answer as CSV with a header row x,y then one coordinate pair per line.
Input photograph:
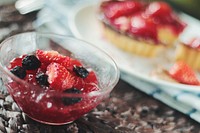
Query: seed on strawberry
x,y
181,72
19,72
30,62
59,77
81,71
42,79
71,100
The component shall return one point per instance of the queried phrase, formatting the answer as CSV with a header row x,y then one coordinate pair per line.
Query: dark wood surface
x,y
126,111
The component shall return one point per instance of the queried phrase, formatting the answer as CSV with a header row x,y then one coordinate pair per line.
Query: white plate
x,y
84,24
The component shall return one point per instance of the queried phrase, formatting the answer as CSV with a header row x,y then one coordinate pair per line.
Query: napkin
x,y
57,22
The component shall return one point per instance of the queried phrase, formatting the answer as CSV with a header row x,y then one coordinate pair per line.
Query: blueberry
x,y
31,62
42,79
71,100
80,71
19,72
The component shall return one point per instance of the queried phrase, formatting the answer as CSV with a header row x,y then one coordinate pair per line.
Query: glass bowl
x,y
42,105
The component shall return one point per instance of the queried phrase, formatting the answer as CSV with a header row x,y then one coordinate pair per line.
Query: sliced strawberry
x,y
143,27
181,72
120,8
46,57
89,87
59,77
121,23
161,11
71,63
50,56
16,62
91,78
79,82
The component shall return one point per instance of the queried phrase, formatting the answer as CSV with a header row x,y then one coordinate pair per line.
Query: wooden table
x,y
126,111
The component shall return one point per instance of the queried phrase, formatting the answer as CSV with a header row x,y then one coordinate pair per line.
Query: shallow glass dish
x,y
39,104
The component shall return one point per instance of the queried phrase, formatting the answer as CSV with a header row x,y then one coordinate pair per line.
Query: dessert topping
x,y
42,79
30,62
142,27
19,71
81,71
161,11
59,77
121,8
73,100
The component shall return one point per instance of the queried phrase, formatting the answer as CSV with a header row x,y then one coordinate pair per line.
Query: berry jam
x,y
53,87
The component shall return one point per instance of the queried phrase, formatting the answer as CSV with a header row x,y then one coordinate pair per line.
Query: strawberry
x,y
143,27
120,8
181,72
59,77
51,56
71,63
161,12
121,23
91,78
16,62
46,57
89,87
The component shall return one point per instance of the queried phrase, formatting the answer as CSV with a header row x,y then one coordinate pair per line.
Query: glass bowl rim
x,y
93,93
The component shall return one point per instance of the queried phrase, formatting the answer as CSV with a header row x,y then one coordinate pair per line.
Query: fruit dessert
x,y
189,52
55,88
179,72
138,27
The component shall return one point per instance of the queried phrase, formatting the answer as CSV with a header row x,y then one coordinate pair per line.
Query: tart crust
x,y
167,36
131,45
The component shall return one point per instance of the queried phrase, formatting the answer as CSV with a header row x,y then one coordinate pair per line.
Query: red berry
x,y
79,82
91,78
143,27
89,87
120,8
50,56
59,77
46,57
16,62
181,72
161,12
71,63
121,23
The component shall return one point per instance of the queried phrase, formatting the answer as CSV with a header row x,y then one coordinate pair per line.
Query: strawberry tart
x,y
189,52
139,27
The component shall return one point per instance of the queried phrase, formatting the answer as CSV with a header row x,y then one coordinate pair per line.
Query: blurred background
x,y
53,15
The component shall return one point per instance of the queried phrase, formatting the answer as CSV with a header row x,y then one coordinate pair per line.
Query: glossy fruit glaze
x,y
140,19
46,97
194,43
